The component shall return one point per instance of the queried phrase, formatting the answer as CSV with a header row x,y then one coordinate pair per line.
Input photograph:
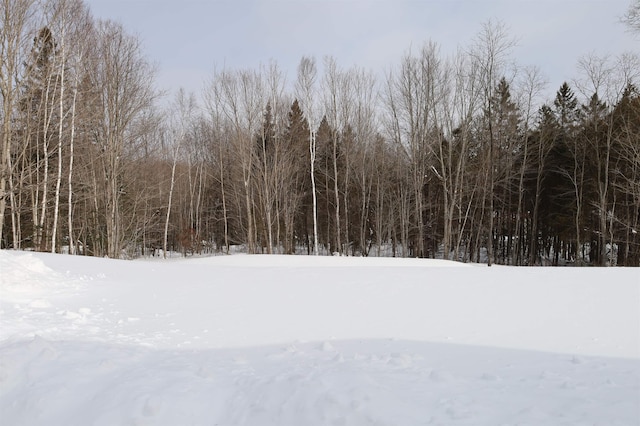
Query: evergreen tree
x,y
265,141
297,202
542,141
324,186
507,146
563,175
565,104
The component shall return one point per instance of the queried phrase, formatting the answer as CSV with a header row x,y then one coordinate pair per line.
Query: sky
x,y
188,39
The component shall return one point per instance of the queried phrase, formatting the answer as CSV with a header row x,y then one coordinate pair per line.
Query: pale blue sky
x,y
187,38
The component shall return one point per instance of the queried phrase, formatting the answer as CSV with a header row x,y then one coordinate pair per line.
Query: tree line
x,y
449,156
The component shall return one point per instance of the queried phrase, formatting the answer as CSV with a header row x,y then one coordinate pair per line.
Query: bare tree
x,y
39,110
627,177
271,159
239,99
79,52
185,106
307,73
17,19
124,79
530,87
461,104
604,82
412,99
71,24
336,92
490,51
632,17
213,104
62,65
360,156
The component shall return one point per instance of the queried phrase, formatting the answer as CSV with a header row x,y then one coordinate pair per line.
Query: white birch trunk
x,y
56,209
72,243
166,222
312,151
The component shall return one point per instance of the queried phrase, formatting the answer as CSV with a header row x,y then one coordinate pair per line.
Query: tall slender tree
x,y
305,86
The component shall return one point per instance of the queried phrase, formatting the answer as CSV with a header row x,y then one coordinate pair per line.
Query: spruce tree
x,y
324,176
506,138
298,199
565,175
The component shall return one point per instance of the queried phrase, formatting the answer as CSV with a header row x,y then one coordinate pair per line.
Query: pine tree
x,y
265,141
507,139
565,175
297,201
543,142
565,104
325,185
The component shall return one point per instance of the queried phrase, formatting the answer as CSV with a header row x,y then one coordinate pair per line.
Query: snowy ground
x,y
276,340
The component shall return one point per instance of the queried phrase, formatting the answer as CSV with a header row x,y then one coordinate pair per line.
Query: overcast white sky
x,y
187,38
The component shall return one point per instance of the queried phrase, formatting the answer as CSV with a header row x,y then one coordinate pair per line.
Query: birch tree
x,y
71,24
185,106
80,48
17,19
37,112
305,87
272,159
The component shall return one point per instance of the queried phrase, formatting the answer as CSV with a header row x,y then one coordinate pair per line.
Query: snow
x,y
297,340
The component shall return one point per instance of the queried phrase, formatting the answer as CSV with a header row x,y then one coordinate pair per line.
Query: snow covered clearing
x,y
281,340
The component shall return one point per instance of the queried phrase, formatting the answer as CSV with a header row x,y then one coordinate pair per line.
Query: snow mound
x,y
25,273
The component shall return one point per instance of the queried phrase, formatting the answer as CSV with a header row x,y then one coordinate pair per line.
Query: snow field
x,y
277,340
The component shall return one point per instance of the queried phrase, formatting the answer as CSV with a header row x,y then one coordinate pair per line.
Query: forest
x,y
444,156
